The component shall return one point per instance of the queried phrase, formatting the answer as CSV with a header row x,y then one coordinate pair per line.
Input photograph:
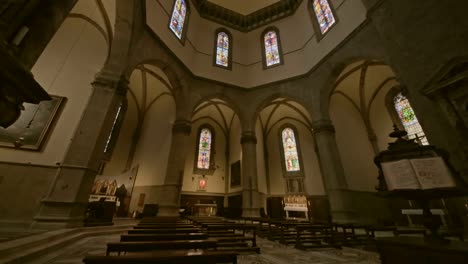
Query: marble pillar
x,y
340,198
251,203
169,202
65,203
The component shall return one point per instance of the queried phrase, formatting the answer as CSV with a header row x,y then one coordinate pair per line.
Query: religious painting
x,y
236,174
202,184
295,185
141,199
33,126
113,185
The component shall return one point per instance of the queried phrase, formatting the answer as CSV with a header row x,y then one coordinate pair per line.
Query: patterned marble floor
x,y
7,234
272,253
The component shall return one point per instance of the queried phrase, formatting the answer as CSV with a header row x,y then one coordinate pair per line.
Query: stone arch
x,y
178,84
334,74
229,102
269,99
356,105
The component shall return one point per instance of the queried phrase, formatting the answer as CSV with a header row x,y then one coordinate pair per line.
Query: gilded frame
x,y
33,127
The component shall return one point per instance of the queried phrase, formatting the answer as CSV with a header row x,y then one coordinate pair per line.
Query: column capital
x,y
182,127
323,125
248,137
109,80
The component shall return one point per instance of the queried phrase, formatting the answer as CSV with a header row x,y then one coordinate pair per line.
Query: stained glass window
x,y
222,49
324,15
112,133
204,149
291,157
272,55
408,119
178,18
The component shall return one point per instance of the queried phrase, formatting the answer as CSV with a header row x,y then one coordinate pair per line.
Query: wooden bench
x,y
167,257
370,230
232,240
315,236
169,230
348,235
140,246
161,237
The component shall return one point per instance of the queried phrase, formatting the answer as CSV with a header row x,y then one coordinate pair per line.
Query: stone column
x,y
333,173
169,198
66,201
251,203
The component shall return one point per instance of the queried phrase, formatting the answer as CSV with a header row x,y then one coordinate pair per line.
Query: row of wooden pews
x,y
177,240
231,235
304,234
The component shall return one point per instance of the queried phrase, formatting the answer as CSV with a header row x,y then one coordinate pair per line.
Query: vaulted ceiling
x,y
245,15
244,7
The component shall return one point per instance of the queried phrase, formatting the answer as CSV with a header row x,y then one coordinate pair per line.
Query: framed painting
x,y
295,185
202,181
31,129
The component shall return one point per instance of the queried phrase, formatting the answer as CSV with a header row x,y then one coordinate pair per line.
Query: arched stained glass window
x,y
272,50
324,15
291,156
179,13
408,119
204,149
222,49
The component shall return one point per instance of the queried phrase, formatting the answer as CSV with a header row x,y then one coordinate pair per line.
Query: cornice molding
x,y
246,23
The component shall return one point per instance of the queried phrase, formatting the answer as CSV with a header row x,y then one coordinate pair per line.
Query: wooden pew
x,y
315,236
140,246
232,240
167,257
158,225
160,237
169,230
288,232
348,236
371,229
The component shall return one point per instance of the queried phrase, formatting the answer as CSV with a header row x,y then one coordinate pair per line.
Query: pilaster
x,y
332,172
170,198
251,203
66,201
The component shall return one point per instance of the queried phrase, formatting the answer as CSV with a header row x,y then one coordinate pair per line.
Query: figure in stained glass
x,y
271,48
324,15
222,49
408,119
178,18
291,156
204,149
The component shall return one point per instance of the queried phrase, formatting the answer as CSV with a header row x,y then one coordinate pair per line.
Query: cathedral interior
x,y
241,110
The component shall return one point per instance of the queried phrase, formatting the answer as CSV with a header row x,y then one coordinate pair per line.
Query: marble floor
x,y
272,253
